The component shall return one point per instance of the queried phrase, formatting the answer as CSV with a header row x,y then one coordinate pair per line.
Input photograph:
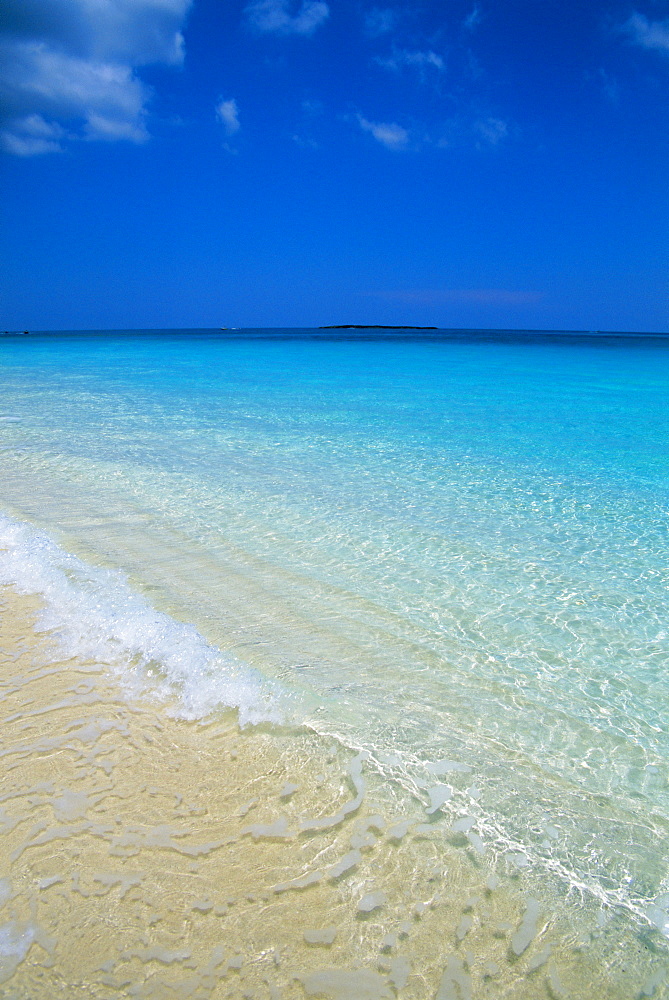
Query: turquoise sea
x,y
449,550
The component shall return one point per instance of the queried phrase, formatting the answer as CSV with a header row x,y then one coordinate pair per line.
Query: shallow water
x,y
449,554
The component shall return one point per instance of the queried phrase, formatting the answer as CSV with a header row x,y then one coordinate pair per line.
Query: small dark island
x,y
357,326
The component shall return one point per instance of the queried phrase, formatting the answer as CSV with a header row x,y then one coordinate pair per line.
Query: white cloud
x,y
75,62
390,135
648,34
112,129
36,125
405,57
493,130
275,16
70,85
227,113
135,31
32,135
473,19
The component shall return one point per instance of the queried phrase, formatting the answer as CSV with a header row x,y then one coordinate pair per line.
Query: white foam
x,y
272,831
456,984
95,615
527,928
371,901
439,796
15,941
321,937
303,882
439,767
399,830
157,954
348,862
658,913
355,773
400,970
338,984
464,927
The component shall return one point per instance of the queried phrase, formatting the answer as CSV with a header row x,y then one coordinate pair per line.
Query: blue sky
x,y
501,163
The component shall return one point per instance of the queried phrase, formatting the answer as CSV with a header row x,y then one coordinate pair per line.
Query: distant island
x,y
375,326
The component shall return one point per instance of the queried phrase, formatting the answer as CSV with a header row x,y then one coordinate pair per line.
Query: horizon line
x,y
365,329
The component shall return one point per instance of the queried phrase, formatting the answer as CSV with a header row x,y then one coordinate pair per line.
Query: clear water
x,y
442,548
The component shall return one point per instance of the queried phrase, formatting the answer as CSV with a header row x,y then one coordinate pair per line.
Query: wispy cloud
x,y
380,21
411,58
73,63
31,136
227,114
473,19
101,127
312,108
493,130
607,84
305,143
390,135
648,34
282,18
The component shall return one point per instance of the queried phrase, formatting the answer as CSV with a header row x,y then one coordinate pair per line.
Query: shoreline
x,y
150,856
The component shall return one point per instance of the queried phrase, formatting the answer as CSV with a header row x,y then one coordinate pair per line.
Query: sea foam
x,y
94,614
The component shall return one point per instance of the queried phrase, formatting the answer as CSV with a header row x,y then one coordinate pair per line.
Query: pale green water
x,y
447,549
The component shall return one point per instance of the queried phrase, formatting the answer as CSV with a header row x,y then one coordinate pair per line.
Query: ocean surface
x,y
448,550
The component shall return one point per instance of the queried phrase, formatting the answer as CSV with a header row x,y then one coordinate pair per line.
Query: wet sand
x,y
146,856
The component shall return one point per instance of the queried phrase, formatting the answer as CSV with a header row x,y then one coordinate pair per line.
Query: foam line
x,y
94,614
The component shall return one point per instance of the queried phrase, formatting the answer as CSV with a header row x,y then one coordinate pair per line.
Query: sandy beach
x,y
146,856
